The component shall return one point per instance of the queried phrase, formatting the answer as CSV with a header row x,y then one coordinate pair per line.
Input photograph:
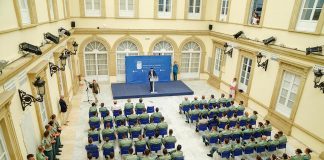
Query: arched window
x,y
163,48
190,60
125,48
96,62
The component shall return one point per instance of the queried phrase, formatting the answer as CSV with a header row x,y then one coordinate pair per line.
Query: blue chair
x,y
237,152
155,147
232,124
243,123
224,137
210,106
139,111
124,150
127,112
282,146
163,132
260,149
217,105
272,148
201,106
169,145
93,150
145,121
213,140
211,124
225,154
107,151
248,150
202,127
118,123
246,136
194,118
140,148
110,136
240,112
267,133
192,107
230,113
94,124
228,104
186,108
115,113
92,114
135,134
149,133
211,115
222,125
150,109
156,119
103,114
252,122
236,136
257,134
95,137
132,122
178,158
220,114
120,135
110,122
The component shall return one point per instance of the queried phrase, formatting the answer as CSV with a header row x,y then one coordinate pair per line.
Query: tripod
x,y
87,84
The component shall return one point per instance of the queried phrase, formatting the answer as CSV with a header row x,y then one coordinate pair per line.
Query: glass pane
x,y
197,9
191,2
96,4
190,9
309,3
290,104
317,14
197,3
130,5
292,96
282,100
122,4
284,92
306,14
88,4
320,4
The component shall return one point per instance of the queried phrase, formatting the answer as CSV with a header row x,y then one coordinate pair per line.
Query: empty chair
x,y
225,154
150,109
139,111
202,127
169,145
237,152
94,124
155,147
124,150
127,112
115,113
107,151
140,148
156,119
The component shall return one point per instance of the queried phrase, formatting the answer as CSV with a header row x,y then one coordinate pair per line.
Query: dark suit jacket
x,y
63,105
150,75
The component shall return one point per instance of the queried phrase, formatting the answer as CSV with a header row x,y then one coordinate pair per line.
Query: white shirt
x,y
115,107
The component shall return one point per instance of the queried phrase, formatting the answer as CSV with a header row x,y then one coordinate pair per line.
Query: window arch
x,y
96,61
125,48
190,60
163,48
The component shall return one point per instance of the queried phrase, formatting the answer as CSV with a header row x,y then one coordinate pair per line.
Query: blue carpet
x,y
173,88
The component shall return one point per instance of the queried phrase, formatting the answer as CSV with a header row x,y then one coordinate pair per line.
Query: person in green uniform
x,y
226,133
109,145
223,110
122,130
125,142
248,130
212,100
275,141
165,156
103,109
202,121
131,155
47,144
136,128
195,101
298,155
307,155
254,116
108,118
141,141
245,117
213,133
267,126
92,132
282,137
262,142
185,102
56,136
147,155
150,127
90,146
196,111
177,152
52,136
40,154
232,107
94,118
31,157
140,105
129,105
120,117
203,101
233,118
214,110
156,114
240,107
162,125
108,130
170,138
204,111
144,115
259,129
222,99
225,147
132,117
237,130
155,140
224,118
251,143
93,109
237,145
230,98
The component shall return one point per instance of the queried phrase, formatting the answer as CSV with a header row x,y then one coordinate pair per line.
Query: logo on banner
x,y
139,65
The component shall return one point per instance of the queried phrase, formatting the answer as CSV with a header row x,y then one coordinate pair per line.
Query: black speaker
x,y
210,27
72,24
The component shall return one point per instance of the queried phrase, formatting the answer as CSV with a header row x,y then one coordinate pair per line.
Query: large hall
x,y
161,79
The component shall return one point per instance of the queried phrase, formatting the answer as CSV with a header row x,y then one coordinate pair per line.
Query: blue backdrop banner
x,y
137,68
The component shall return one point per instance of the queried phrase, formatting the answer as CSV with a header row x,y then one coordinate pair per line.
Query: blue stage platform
x,y
173,88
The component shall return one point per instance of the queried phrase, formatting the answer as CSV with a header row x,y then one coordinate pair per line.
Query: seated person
x,y
237,130
169,138
240,107
285,156
222,99
94,119
195,101
237,145
298,155
232,107
115,107
40,154
93,131
122,130
131,155
132,117
212,100
128,105
262,142
213,122
254,116
233,118
226,133
140,105
224,118
156,114
213,133
248,130
165,156
144,115
204,111
93,109
136,128
196,111
250,144
202,121
109,145
155,140
267,126
224,147
162,125
245,117
177,152
259,129
150,127
90,146
185,102
120,117
108,130
103,109
203,101
125,142
275,141
108,118
141,141
214,110
147,155
223,110
307,155
282,137
230,98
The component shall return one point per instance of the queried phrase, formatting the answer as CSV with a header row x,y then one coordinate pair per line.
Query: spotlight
x,y
3,64
29,48
63,32
238,34
269,40
51,37
228,51
313,50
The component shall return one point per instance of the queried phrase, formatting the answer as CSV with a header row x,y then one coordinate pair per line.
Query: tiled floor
x,y
74,136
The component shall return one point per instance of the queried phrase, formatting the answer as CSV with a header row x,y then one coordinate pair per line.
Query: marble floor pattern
x,y
74,136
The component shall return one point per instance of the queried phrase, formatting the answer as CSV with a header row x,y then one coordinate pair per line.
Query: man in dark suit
x,y
151,74
63,109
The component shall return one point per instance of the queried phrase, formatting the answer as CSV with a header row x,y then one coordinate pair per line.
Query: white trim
x,y
245,73
218,62
308,25
224,10
92,11
24,12
5,154
194,14
127,12
164,13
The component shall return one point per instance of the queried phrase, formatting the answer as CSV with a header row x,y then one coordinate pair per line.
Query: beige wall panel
x,y
53,87
42,11
148,12
60,9
211,10
256,107
229,69
237,7
209,49
278,16
8,19
308,140
110,8
180,9
74,8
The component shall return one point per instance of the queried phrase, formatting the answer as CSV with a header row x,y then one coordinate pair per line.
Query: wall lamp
x,y
269,40
50,37
27,99
62,32
67,53
314,50
228,51
264,64
54,68
75,47
238,34
317,79
3,64
29,48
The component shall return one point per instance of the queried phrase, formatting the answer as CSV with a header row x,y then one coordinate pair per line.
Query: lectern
x,y
153,80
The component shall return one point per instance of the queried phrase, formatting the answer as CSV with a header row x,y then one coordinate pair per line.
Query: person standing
x,y
175,70
40,154
233,88
64,108
151,75
30,157
95,90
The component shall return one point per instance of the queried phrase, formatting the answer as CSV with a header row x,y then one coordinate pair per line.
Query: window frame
x,y
32,14
218,14
83,9
4,145
127,12
218,58
297,11
66,7
55,10
248,13
195,16
164,13
127,52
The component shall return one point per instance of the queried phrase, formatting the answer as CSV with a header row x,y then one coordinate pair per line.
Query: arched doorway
x,y
96,61
190,60
125,48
